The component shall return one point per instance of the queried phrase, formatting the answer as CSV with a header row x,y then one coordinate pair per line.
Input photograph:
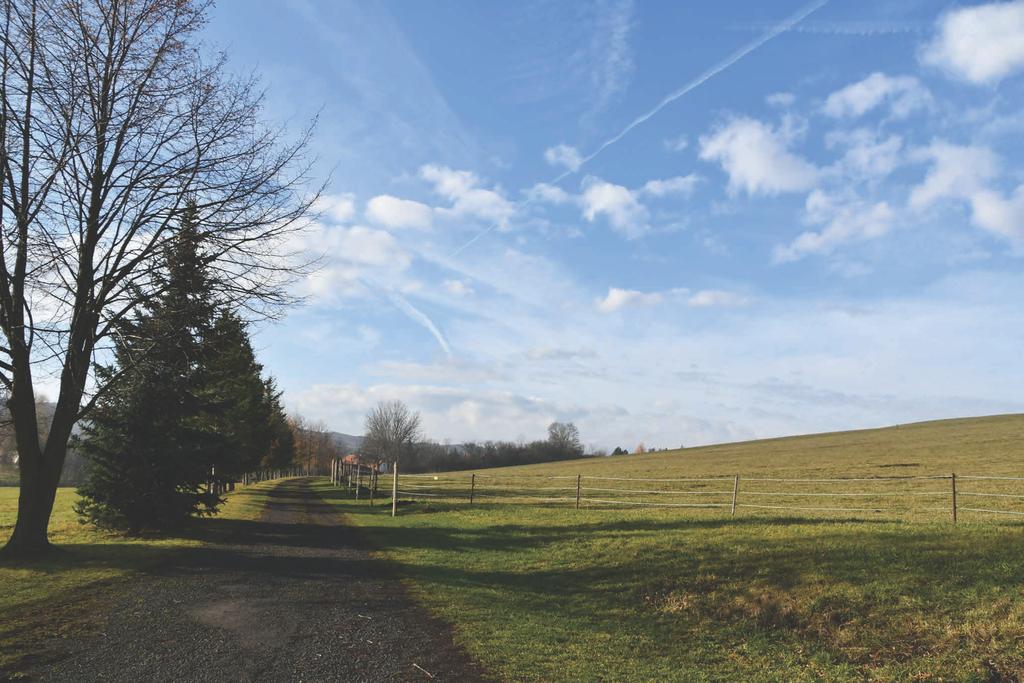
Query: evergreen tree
x,y
282,445
194,411
149,441
236,395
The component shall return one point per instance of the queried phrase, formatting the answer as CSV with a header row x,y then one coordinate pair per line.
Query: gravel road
x,y
293,597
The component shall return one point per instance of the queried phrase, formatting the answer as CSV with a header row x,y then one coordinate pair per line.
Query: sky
x,y
669,223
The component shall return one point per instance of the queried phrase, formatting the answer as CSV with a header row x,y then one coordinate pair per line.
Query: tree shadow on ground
x,y
870,592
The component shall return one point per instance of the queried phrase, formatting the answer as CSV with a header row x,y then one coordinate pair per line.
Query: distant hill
x,y
347,442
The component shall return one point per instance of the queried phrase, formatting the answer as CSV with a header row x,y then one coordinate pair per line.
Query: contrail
x,y
473,239
415,314
402,304
775,30
845,28
736,56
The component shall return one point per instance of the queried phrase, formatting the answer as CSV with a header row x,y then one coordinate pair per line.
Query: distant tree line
x,y
315,446
393,434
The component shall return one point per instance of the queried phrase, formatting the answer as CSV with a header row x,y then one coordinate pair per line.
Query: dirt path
x,y
293,597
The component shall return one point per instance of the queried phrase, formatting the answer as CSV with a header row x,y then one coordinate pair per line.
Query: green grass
x,y
545,592
59,594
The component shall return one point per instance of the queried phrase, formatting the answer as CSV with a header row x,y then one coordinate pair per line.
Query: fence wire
x,y
895,495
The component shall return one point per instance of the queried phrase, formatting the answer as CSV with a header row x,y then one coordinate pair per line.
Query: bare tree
x,y
391,430
111,121
314,447
565,436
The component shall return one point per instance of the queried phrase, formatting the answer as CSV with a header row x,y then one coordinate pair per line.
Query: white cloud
x,y
904,94
980,44
446,411
676,144
394,212
610,53
357,245
548,194
457,287
757,159
683,185
780,99
468,199
1002,216
707,298
844,221
625,214
965,173
449,182
957,172
365,246
563,155
336,208
867,156
331,284
347,255
620,298
778,367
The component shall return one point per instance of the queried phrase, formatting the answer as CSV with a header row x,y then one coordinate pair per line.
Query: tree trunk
x,y
39,466
39,477
35,503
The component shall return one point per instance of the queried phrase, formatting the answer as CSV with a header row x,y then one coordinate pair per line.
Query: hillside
x,y
974,445
810,580
346,442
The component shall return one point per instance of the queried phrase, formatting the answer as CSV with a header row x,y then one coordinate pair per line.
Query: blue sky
x,y
814,219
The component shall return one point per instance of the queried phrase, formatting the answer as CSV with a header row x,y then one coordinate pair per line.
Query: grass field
x,y
546,592
54,595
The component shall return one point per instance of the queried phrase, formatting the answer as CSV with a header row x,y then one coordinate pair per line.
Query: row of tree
x,y
315,445
393,433
187,409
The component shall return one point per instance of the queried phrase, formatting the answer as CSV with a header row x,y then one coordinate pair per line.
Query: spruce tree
x,y
282,444
149,440
235,394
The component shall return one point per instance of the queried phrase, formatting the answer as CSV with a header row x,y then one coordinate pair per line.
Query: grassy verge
x,y
62,593
550,593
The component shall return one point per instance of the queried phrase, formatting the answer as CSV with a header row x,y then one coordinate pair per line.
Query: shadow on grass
x,y
592,574
888,589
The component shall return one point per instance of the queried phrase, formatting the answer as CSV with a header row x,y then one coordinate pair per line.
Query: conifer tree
x,y
282,445
149,441
235,393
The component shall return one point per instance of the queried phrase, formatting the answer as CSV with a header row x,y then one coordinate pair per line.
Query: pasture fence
x,y
269,474
899,495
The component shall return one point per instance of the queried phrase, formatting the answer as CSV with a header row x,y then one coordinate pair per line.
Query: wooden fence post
x,y
952,479
359,479
394,491
472,487
579,478
735,492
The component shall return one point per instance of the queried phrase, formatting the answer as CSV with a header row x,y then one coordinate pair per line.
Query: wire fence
x,y
936,496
